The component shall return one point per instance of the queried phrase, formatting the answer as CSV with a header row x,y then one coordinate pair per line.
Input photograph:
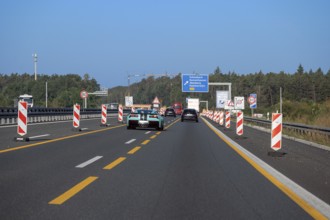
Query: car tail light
x,y
153,116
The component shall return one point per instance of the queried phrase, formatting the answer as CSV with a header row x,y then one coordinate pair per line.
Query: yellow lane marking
x,y
134,150
57,139
153,136
158,132
114,163
73,191
145,142
302,203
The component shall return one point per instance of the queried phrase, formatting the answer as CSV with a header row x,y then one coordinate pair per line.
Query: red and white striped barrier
x,y
104,115
76,116
221,118
120,113
239,123
227,119
217,117
22,118
214,116
276,142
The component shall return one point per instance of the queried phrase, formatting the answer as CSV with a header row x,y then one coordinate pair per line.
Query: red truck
x,y
178,108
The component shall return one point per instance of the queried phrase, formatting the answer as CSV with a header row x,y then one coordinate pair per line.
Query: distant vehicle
x,y
113,106
189,114
178,108
145,119
170,112
193,103
26,98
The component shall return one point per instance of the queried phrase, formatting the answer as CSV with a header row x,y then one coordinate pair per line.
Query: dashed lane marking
x,y
39,136
114,163
130,141
88,162
73,191
145,142
134,150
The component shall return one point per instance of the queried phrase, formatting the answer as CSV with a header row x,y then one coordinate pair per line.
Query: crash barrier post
x,y
227,119
239,123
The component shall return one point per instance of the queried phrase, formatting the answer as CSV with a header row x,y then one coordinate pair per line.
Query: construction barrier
x,y
120,114
217,114
227,119
76,116
221,118
276,142
22,118
239,123
104,115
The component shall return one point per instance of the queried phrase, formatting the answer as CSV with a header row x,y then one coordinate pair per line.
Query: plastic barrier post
x,y
76,116
227,119
120,114
22,121
239,123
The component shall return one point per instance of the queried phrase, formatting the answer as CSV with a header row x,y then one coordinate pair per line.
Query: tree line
x,y
64,90
301,86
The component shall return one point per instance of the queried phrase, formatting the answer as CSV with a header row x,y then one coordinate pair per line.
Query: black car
x,y
189,114
170,112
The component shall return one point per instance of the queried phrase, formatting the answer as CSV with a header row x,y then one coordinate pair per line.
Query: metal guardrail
x,y
8,116
299,129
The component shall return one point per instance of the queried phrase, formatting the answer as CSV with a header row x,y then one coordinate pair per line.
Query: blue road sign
x,y
253,100
195,83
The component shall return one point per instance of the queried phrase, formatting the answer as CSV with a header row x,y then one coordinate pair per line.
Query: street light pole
x,y
35,65
281,100
46,94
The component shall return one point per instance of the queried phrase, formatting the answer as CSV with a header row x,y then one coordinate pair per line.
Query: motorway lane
x,y
53,129
184,172
306,165
28,175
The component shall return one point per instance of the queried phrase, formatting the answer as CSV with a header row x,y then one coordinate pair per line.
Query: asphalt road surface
x,y
187,171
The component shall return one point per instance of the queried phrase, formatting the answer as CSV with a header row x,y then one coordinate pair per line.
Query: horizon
x,y
111,40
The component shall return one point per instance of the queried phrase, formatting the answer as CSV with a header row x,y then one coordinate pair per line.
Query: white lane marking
x,y
89,162
39,136
130,141
83,129
147,132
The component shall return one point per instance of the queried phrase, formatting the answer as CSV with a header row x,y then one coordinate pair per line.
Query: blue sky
x,y
111,39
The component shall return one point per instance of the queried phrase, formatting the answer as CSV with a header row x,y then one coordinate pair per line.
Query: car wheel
x,y
181,120
128,127
161,128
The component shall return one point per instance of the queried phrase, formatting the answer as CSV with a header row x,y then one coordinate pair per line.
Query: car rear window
x,y
190,111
